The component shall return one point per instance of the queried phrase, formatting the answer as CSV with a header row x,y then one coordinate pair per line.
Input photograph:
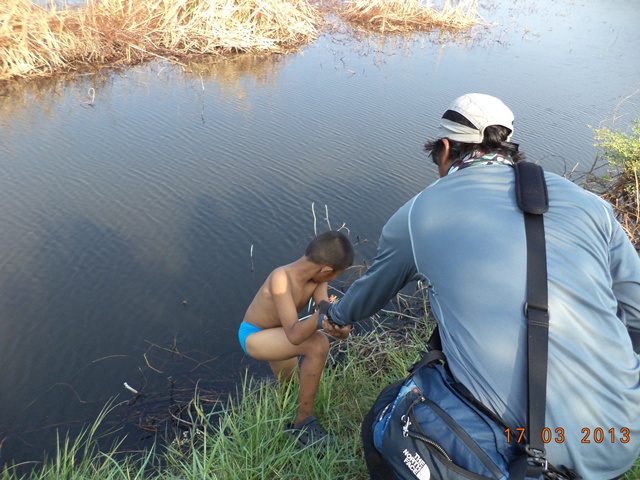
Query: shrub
x,y
620,186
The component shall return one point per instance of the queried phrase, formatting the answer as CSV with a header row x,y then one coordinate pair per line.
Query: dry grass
x,y
45,41
411,15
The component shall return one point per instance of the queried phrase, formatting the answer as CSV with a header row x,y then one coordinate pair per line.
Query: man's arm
x,y
320,297
392,269
625,273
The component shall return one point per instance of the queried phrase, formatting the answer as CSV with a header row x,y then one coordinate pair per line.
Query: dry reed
x,y
411,15
42,41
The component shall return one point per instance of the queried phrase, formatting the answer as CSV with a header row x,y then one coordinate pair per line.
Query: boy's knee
x,y
320,343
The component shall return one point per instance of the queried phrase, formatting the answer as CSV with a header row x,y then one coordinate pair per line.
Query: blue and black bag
x,y
428,426
432,428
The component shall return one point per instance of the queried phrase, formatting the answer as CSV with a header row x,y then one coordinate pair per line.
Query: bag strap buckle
x,y
527,306
405,425
537,463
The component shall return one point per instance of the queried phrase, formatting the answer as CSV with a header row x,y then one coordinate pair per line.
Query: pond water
x,y
140,209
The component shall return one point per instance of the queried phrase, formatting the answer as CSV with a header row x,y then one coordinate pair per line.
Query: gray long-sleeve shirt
x,y
464,237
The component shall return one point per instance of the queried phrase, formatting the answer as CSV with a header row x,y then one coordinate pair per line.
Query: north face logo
x,y
416,465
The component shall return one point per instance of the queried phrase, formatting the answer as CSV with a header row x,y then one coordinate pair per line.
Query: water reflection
x,y
124,194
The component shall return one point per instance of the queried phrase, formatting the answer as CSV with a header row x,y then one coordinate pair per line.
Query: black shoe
x,y
309,433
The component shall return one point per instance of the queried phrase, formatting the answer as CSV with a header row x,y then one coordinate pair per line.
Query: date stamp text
x,y
589,435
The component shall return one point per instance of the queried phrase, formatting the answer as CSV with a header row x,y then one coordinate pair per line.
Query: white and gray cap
x,y
469,115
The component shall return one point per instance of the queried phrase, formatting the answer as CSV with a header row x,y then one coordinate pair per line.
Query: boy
x,y
271,330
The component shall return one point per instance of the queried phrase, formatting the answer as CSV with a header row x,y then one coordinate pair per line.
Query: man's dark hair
x,y
495,141
331,248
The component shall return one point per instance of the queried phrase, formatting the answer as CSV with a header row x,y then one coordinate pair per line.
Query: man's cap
x,y
470,114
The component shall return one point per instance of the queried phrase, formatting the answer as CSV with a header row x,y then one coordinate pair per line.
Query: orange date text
x,y
588,435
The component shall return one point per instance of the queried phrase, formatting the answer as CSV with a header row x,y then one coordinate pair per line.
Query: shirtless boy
x,y
271,330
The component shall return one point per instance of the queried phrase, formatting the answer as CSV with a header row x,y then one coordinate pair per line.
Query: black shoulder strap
x,y
427,358
533,200
531,188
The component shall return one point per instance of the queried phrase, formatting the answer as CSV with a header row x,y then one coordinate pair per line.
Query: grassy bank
x,y
245,439
44,41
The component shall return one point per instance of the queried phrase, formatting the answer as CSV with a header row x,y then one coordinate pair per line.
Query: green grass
x,y
245,439
620,186
250,439
82,458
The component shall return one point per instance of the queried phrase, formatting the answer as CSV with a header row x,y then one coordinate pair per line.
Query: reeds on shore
x,y
47,40
411,15
37,40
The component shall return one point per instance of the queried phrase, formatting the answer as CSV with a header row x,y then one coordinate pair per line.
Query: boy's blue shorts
x,y
244,331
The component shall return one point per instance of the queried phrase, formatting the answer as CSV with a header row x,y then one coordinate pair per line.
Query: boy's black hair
x,y
331,248
495,141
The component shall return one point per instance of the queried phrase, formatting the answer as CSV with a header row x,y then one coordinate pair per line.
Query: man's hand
x,y
336,332
323,308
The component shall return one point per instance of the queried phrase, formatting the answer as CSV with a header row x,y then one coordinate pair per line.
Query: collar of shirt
x,y
480,158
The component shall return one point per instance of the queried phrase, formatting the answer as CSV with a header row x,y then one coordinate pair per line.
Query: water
x,y
141,209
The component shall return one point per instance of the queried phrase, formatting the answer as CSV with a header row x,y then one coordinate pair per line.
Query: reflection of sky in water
x,y
112,214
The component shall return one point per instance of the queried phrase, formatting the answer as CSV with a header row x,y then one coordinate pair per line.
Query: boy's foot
x,y
309,433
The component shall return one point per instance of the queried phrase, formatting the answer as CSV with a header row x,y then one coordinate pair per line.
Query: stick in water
x,y
130,388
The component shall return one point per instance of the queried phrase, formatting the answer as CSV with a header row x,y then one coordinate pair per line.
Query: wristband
x,y
323,306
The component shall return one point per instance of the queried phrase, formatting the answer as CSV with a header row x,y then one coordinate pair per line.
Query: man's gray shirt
x,y
463,237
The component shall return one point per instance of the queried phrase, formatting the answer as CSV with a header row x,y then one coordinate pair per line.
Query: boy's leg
x,y
311,367
284,369
273,346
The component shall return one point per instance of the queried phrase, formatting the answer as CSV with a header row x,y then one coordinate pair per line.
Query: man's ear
x,y
325,269
444,161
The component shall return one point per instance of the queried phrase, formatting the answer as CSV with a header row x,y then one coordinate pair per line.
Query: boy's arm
x,y
321,293
296,331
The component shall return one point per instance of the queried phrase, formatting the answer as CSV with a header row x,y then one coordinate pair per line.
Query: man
x,y
463,236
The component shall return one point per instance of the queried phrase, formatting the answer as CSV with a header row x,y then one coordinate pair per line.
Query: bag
x,y
430,427
432,430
